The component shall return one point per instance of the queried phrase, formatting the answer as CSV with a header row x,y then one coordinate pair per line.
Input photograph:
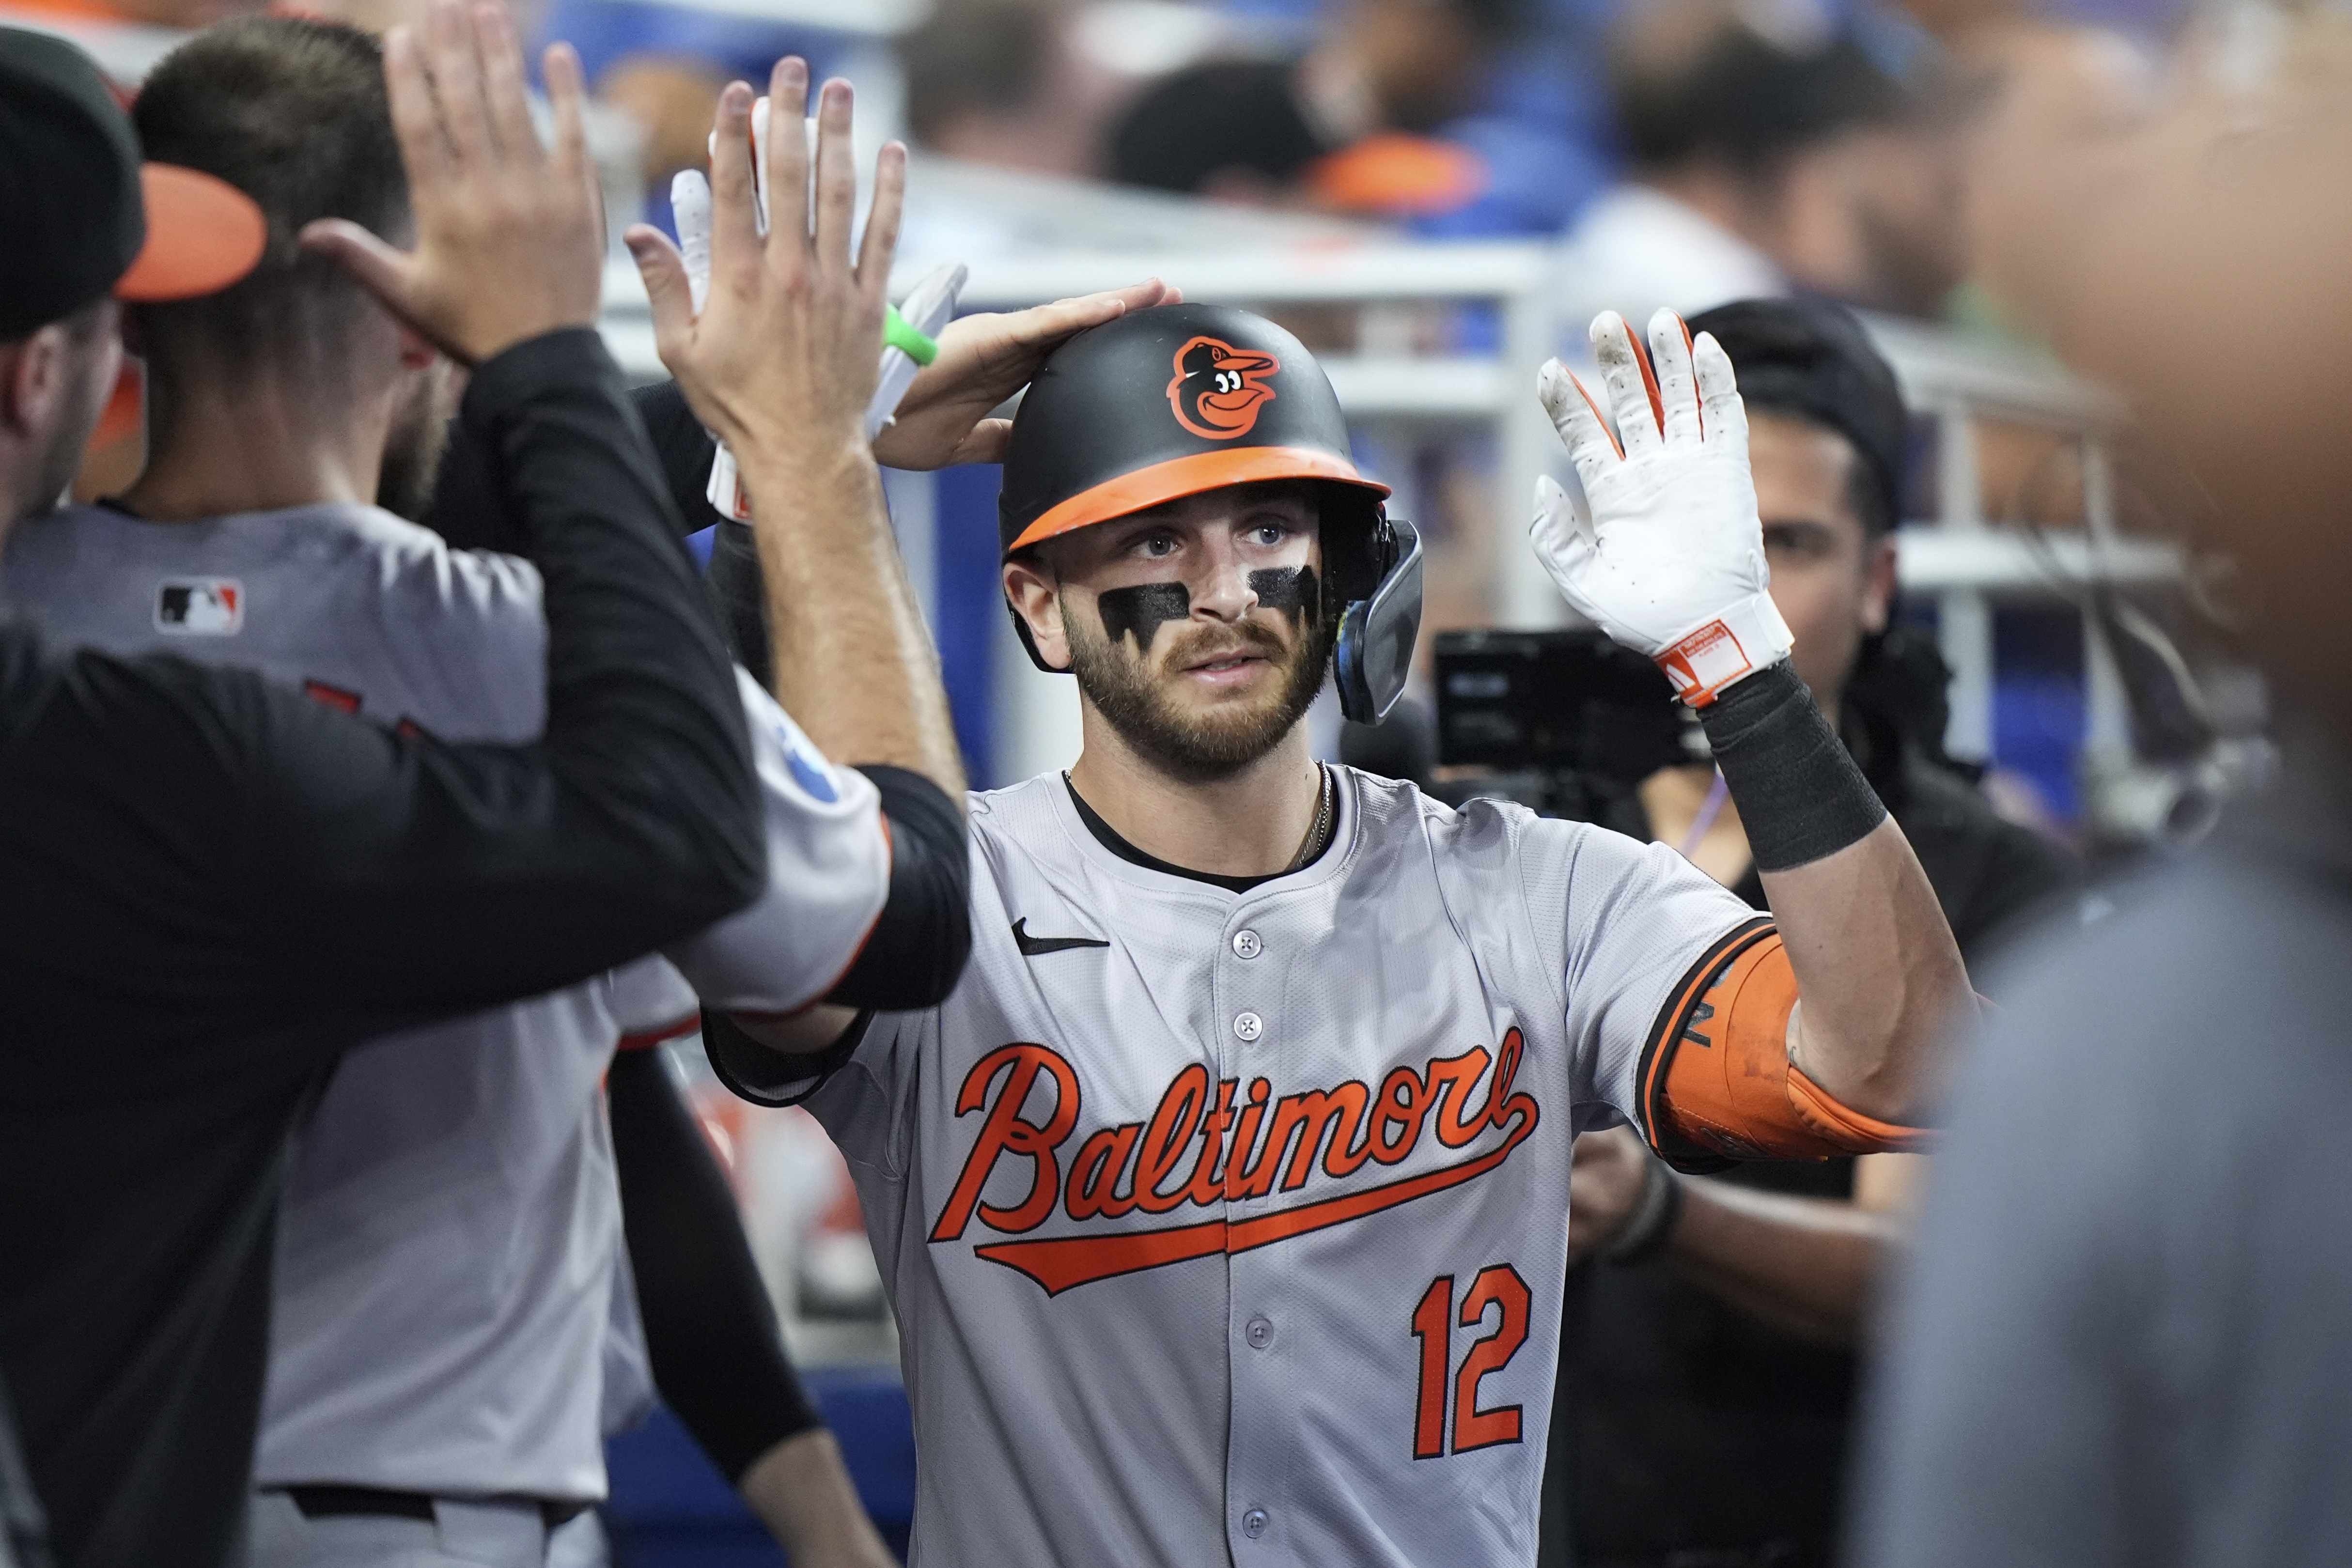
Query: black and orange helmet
x,y
1181,399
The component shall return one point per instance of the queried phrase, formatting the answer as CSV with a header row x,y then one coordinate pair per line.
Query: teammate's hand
x,y
983,360
1670,559
510,234
1605,1174
782,359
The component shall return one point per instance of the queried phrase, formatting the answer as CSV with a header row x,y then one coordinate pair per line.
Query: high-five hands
x,y
783,357
1670,559
510,234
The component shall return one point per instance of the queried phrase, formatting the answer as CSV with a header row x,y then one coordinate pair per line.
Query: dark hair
x,y
1812,361
1213,119
1741,98
293,113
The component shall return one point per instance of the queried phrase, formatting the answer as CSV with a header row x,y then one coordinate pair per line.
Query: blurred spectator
x,y
1005,82
1343,127
658,69
1706,1372
1760,165
2121,1338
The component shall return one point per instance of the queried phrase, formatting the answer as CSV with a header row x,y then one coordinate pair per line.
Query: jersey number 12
x,y
1497,1286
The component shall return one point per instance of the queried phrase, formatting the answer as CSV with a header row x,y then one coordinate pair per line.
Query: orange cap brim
x,y
1180,476
203,235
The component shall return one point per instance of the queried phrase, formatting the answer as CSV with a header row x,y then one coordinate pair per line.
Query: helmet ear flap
x,y
1359,548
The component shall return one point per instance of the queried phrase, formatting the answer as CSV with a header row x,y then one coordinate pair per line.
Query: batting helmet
x,y
1171,402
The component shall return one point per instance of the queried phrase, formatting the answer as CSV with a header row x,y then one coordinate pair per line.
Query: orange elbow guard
x,y
1715,1081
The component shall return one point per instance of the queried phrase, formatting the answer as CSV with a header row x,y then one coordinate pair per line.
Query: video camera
x,y
1569,721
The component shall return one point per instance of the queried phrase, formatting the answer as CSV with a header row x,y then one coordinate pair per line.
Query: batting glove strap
x,y
1746,638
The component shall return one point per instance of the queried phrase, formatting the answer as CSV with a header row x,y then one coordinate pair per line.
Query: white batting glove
x,y
1670,559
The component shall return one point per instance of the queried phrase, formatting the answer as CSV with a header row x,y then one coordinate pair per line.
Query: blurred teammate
x,y
1761,163
446,1254
2121,1337
215,884
1220,1202
1712,1322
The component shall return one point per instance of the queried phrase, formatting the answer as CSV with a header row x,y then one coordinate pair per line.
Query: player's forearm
x,y
1880,978
1878,975
802,1491
854,661
1802,1265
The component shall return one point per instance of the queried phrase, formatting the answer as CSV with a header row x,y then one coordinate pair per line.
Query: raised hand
x,y
510,234
781,360
983,360
1670,558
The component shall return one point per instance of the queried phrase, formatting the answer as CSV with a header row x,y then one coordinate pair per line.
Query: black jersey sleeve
x,y
685,448
916,951
470,510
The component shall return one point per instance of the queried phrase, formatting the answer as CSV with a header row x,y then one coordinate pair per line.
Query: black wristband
x,y
1799,795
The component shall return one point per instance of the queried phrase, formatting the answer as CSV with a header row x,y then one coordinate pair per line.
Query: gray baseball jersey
x,y
1230,1224
449,1251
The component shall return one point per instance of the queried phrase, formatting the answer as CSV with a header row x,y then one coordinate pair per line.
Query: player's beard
x,y
1131,691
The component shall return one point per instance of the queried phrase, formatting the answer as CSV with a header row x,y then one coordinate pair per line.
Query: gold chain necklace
x,y
1318,832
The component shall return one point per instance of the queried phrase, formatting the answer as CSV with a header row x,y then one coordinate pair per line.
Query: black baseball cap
x,y
1810,359
82,214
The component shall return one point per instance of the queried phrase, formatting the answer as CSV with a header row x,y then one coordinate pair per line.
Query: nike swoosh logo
x,y
1037,947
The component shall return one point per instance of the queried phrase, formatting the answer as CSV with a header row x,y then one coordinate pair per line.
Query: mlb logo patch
x,y
809,772
200,606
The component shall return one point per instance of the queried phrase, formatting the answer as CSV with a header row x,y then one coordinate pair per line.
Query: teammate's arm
x,y
985,359
861,911
1833,1021
781,364
717,1356
943,418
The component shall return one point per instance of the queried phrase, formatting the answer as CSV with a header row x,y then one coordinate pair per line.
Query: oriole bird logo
x,y
1219,389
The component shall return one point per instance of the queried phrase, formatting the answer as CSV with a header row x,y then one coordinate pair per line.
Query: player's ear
x,y
1878,585
1030,588
21,370
38,368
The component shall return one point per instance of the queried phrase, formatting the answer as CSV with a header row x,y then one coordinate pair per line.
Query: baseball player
x,y
445,1267
1221,1203
216,884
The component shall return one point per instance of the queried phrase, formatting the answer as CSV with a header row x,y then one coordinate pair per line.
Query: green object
x,y
899,334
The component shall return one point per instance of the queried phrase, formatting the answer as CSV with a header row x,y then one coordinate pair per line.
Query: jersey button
x,y
1246,945
1248,1027
1253,1523
1260,1333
